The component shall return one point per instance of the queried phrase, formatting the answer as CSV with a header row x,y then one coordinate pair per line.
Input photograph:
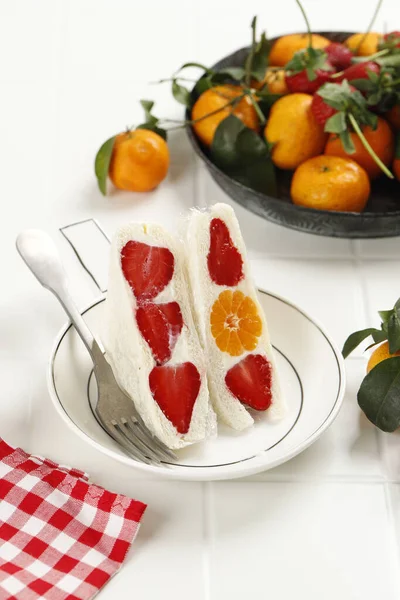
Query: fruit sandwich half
x,y
230,320
150,337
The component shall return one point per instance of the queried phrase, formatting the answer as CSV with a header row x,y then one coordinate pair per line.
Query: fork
x,y
115,410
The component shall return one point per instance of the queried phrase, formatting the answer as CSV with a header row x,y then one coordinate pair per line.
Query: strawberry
x,y
250,381
299,82
225,264
321,110
307,71
160,325
147,269
359,71
391,40
175,389
339,55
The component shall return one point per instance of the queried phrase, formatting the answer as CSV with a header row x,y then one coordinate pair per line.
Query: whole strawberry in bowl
x,y
339,55
308,70
359,70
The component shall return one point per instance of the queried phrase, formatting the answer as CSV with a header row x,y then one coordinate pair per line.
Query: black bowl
x,y
381,217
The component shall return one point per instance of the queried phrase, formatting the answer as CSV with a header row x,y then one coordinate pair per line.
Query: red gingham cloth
x,y
61,537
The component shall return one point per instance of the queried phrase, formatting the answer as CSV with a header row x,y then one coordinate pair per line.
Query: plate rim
x,y
208,473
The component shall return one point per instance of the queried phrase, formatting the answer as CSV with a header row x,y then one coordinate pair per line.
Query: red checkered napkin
x,y
61,537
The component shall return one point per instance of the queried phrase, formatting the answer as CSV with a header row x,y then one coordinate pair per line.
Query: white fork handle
x,y
41,256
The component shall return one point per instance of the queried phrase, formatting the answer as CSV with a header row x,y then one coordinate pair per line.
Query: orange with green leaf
x,y
379,394
136,160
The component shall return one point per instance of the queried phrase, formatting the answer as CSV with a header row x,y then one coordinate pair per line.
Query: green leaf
x,y
194,64
397,305
147,106
102,164
337,123
355,340
379,395
260,58
394,332
223,147
373,77
180,93
151,122
372,345
379,336
397,147
364,85
235,73
203,84
392,60
347,142
385,315
243,154
311,75
250,146
266,101
309,59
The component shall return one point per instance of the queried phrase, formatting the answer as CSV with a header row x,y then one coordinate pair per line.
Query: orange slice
x,y
235,323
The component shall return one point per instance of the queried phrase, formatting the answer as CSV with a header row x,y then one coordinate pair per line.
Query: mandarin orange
x,y
216,100
139,160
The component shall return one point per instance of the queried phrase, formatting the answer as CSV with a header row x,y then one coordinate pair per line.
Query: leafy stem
x,y
376,11
231,102
173,79
250,58
256,106
368,148
379,54
303,12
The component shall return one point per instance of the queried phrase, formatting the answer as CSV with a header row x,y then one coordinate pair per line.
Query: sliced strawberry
x,y
175,389
225,264
250,381
339,55
359,71
299,82
160,325
147,269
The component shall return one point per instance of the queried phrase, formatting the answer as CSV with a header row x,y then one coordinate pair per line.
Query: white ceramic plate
x,y
312,378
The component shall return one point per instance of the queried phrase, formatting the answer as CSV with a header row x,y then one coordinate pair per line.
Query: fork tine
x,y
137,441
140,431
139,425
131,448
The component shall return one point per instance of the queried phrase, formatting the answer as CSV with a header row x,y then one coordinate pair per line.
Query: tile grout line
x,y
207,506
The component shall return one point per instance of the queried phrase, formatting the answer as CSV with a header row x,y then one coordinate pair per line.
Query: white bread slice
x,y
129,354
205,292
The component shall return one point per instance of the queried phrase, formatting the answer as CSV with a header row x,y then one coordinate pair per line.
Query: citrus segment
x,y
235,323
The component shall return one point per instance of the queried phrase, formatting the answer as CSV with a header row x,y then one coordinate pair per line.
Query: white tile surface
x,y
302,541
348,451
393,493
380,280
172,534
